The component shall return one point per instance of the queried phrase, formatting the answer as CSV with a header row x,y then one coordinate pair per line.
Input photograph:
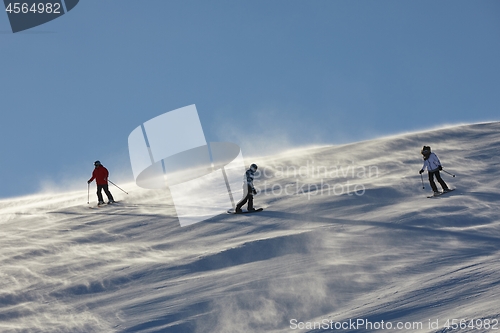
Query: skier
x,y
248,189
100,174
433,166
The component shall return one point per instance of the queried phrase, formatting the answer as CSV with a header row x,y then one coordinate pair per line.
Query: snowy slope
x,y
347,234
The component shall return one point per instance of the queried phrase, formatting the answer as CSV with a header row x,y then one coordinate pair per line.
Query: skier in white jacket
x,y
433,166
248,190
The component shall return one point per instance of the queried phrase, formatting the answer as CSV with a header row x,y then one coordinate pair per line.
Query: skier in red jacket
x,y
100,174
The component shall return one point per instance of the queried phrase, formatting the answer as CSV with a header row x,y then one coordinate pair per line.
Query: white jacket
x,y
432,163
248,178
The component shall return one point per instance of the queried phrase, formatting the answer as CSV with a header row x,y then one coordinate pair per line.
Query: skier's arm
x,y
250,183
423,167
91,179
438,163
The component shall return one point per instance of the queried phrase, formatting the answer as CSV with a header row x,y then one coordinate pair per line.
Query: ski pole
x,y
448,173
116,185
422,177
88,193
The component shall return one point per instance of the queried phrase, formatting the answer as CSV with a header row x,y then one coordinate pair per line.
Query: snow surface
x,y
383,253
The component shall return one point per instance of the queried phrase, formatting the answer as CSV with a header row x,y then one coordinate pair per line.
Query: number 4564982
x,y
40,8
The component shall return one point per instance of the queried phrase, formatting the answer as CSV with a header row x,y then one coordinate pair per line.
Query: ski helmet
x,y
426,151
254,167
97,163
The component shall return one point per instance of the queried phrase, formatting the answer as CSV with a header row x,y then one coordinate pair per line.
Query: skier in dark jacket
x,y
100,174
433,166
248,190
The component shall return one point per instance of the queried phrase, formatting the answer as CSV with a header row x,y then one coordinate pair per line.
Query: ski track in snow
x,y
390,254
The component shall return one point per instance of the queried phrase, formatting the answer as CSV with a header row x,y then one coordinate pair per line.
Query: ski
x,y
440,194
231,211
102,205
98,206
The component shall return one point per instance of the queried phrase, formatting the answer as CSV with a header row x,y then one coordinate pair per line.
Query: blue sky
x,y
267,75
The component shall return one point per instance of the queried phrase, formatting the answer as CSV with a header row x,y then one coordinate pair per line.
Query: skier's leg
x,y
441,181
244,199
250,202
250,198
241,203
99,193
431,181
108,193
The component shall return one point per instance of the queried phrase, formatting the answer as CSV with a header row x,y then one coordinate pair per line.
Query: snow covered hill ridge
x,y
347,236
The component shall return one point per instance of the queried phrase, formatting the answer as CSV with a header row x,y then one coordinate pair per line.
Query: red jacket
x,y
100,174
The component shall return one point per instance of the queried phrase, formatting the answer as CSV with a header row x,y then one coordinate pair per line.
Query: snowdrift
x,y
347,235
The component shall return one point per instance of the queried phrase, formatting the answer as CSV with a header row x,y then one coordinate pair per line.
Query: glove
x,y
254,191
421,171
89,181
440,167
